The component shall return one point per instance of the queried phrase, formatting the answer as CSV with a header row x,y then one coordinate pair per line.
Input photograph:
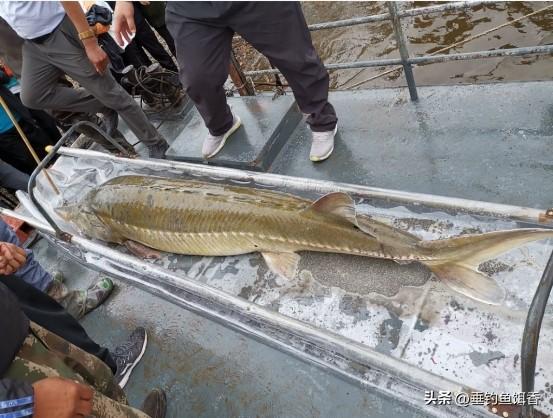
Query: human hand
x,y
96,55
12,258
123,22
61,398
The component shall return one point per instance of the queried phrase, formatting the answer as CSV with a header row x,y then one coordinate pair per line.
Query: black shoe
x,y
128,354
158,149
155,404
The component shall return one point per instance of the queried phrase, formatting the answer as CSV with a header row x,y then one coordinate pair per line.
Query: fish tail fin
x,y
456,259
468,281
474,249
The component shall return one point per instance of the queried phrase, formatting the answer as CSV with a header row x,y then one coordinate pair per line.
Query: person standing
x,y
203,33
147,39
154,12
59,41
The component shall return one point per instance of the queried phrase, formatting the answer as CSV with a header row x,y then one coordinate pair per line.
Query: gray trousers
x,y
203,34
12,178
10,47
62,53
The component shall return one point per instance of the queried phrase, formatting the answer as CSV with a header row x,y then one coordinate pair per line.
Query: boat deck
x,y
481,142
486,142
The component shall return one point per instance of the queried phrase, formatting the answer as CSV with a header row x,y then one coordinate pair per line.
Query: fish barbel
x,y
202,218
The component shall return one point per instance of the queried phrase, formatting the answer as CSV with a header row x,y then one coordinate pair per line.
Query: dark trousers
x,y
134,55
14,151
147,39
203,34
12,178
46,312
164,33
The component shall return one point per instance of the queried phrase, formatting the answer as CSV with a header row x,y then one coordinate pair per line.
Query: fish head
x,y
81,216
67,212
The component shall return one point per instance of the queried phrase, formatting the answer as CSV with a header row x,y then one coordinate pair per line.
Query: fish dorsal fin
x,y
342,206
338,204
386,234
283,264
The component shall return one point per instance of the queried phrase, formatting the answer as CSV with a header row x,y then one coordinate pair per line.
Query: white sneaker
x,y
322,145
213,144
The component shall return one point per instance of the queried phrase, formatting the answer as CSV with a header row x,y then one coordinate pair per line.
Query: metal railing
x,y
405,60
448,7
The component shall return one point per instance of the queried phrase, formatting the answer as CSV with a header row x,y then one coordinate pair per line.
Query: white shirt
x,y
31,19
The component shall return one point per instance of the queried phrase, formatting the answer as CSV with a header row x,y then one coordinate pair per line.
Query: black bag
x,y
99,14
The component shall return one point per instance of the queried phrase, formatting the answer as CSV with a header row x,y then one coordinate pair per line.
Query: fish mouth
x,y
65,212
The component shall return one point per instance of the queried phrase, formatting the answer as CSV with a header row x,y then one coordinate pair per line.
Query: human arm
x,y
123,22
95,54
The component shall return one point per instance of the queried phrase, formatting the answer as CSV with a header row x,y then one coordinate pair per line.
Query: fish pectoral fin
x,y
141,250
337,204
469,282
283,264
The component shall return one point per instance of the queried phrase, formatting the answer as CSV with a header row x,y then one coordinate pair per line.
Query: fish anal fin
x,y
283,264
469,282
337,204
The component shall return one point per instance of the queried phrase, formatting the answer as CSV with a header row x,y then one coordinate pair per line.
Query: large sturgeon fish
x,y
201,218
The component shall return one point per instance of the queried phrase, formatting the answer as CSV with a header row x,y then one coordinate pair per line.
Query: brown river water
x,y
426,34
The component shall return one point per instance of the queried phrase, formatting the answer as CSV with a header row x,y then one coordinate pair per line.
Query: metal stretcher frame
x,y
324,348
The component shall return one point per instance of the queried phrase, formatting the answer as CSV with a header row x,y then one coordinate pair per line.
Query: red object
x,y
20,228
7,70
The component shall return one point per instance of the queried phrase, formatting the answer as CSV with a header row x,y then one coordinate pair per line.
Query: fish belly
x,y
215,243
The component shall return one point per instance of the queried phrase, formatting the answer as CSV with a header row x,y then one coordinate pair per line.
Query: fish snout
x,y
66,212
